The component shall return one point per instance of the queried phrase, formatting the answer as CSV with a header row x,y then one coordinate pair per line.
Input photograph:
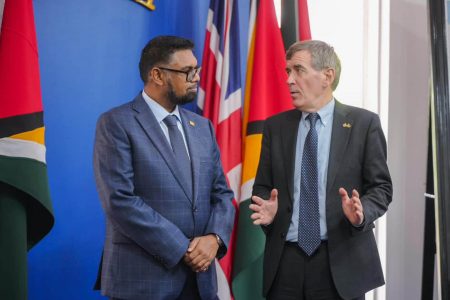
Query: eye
x,y
299,69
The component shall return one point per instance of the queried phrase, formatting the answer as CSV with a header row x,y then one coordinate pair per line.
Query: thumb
x,y
274,195
192,245
343,193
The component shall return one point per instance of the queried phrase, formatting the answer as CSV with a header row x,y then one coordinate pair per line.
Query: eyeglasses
x,y
190,74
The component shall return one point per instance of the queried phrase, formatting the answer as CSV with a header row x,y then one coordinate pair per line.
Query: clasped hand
x,y
201,252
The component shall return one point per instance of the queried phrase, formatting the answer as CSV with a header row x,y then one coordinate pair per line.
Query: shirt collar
x,y
325,112
159,111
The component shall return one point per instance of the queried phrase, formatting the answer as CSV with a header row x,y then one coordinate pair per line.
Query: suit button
x,y
195,209
283,235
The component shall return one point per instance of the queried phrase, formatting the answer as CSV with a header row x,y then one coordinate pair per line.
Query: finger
x,y
357,206
261,221
198,254
257,200
356,200
199,261
274,195
355,194
202,268
360,217
193,244
194,254
255,208
255,216
343,194
204,265
187,259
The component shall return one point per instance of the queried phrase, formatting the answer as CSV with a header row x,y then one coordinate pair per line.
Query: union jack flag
x,y
221,101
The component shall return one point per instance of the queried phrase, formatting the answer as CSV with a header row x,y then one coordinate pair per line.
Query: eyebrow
x,y
299,66
295,67
189,67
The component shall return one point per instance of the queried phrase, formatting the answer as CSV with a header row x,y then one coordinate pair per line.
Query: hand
x,y
352,207
264,211
201,252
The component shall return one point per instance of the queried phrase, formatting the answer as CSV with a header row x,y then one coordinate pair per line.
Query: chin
x,y
298,103
188,98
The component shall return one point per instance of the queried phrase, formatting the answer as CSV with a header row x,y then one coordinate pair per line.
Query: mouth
x,y
192,89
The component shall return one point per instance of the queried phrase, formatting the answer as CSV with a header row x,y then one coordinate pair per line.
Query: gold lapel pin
x,y
346,125
192,123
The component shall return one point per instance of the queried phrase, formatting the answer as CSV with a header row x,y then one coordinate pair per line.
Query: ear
x,y
156,76
329,75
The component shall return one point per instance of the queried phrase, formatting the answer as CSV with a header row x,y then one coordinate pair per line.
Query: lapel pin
x,y
346,125
192,123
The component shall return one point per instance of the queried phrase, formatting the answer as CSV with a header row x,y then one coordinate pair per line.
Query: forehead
x,y
183,58
302,57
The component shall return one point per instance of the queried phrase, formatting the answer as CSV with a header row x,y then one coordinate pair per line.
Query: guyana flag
x,y
26,213
266,94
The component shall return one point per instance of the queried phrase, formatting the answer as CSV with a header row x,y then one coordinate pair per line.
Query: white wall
x,y
407,150
341,24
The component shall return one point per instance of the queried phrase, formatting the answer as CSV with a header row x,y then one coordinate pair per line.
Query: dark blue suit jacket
x,y
150,217
357,161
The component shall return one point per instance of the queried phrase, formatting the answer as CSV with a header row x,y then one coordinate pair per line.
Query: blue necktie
x,y
179,151
309,219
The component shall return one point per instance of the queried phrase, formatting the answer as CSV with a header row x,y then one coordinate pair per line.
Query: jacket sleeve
x,y
376,180
222,215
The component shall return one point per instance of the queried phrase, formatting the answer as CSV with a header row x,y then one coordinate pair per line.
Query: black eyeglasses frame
x,y
190,74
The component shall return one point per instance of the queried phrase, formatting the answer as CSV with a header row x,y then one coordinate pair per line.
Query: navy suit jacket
x,y
150,217
357,161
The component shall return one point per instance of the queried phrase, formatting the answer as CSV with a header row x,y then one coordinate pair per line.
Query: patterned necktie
x,y
309,219
179,151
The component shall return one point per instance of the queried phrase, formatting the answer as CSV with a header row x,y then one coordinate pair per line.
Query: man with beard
x,y
159,177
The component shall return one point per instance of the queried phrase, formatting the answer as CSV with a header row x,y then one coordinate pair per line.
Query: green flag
x,y
26,213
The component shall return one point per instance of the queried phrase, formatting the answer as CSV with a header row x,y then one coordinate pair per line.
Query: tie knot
x,y
313,117
170,120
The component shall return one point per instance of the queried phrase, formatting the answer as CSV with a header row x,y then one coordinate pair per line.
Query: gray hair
x,y
322,57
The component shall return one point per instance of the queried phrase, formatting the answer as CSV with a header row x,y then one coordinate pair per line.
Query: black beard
x,y
180,100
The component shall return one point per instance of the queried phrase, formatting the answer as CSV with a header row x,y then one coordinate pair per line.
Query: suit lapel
x,y
289,140
340,135
153,130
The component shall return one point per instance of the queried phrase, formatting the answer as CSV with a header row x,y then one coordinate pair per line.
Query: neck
x,y
160,97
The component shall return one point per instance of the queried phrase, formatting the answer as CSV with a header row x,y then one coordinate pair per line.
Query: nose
x,y
196,77
290,79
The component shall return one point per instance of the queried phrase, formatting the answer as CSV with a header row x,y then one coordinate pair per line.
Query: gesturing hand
x,y
264,210
352,207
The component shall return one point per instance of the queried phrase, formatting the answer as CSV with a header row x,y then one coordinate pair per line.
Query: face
x,y
179,90
310,89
